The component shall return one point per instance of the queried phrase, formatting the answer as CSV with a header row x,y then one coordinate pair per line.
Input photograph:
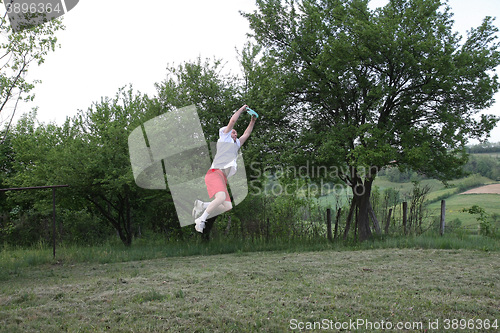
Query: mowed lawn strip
x,y
254,292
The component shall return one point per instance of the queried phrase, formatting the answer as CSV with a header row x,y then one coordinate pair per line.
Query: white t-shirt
x,y
227,152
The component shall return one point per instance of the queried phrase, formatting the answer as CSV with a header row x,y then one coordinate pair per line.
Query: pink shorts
x,y
216,181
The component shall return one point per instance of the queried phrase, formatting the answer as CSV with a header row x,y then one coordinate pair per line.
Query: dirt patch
x,y
487,189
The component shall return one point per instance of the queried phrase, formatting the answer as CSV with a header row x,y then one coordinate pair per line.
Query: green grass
x,y
455,204
14,261
254,292
383,183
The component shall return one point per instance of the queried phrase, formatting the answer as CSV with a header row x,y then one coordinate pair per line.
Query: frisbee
x,y
252,112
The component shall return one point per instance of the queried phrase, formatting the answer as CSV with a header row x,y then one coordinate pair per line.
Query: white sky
x,y
108,44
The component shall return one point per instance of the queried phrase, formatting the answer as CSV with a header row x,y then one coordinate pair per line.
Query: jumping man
x,y
223,166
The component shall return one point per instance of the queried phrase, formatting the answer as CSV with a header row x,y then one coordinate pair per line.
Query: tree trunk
x,y
362,194
118,221
228,226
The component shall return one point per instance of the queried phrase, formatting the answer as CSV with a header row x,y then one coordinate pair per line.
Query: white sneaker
x,y
199,224
198,208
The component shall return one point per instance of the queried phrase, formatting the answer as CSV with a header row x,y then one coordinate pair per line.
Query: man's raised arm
x,y
248,131
234,118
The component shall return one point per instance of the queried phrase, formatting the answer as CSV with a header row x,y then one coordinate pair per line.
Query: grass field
x,y
455,204
250,292
258,286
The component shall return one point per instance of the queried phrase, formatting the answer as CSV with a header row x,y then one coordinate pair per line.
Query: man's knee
x,y
220,195
228,205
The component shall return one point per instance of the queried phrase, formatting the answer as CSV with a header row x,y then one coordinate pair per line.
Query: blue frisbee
x,y
252,112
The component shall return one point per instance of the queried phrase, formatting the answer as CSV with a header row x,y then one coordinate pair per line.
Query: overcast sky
x,y
108,44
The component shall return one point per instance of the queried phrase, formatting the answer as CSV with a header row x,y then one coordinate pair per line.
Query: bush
x,y
82,228
470,182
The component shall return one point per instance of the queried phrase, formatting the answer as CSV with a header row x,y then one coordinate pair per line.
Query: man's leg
x,y
218,206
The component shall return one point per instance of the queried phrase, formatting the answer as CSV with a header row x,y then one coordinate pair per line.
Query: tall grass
x,y
14,259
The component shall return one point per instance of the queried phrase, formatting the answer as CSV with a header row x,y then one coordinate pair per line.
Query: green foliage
x,y
82,227
393,86
215,95
483,219
363,81
336,84
89,153
18,51
485,165
396,176
470,182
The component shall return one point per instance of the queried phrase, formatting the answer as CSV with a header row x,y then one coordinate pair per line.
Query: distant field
x,y
487,189
257,292
455,204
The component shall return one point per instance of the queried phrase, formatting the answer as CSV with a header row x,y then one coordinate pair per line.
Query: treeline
x,y
89,152
485,148
358,113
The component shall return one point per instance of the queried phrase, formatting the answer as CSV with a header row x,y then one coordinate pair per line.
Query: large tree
x,y
90,153
96,162
217,93
371,88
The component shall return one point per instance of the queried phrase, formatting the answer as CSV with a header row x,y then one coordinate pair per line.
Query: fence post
x,y
54,222
405,216
337,221
443,215
388,222
329,224
267,229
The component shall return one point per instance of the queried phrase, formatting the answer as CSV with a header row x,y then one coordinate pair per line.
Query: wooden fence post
x,y
267,229
54,221
443,215
337,221
386,229
329,224
405,216
374,219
